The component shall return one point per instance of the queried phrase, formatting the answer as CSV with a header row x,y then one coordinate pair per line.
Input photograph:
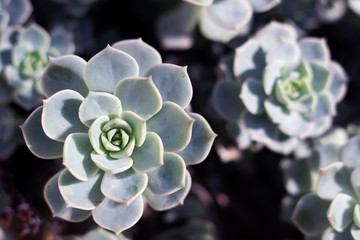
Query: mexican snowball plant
x,y
331,209
282,90
119,124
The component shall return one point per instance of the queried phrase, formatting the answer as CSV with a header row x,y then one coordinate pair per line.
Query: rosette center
x,y
34,61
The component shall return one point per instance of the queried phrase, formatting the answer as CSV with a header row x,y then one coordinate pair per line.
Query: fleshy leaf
x,y
161,203
273,33
215,32
62,42
324,106
340,212
277,112
230,14
111,165
285,51
350,153
95,131
310,214
296,125
138,126
35,36
313,49
226,100
338,83
323,155
124,187
262,130
19,11
85,195
139,95
97,104
174,28
202,138
149,155
249,60
77,150
321,77
173,125
334,179
145,55
65,72
355,181
107,68
36,139
118,217
173,83
271,74
169,177
60,115
100,234
253,96
263,5
57,204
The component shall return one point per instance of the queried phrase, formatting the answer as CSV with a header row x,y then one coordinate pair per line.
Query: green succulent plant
x,y
24,61
218,20
281,89
328,194
119,124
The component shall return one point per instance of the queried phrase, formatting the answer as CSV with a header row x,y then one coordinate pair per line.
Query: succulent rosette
x,y
24,62
283,90
218,20
301,172
119,124
331,209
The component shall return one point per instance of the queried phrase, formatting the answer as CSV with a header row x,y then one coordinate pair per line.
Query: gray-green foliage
x,y
278,89
119,124
323,189
218,20
23,61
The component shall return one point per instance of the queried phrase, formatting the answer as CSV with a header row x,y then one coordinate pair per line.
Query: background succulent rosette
x,y
23,60
119,124
280,89
323,188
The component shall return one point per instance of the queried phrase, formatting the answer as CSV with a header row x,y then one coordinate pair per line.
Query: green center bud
x,y
292,87
117,139
34,61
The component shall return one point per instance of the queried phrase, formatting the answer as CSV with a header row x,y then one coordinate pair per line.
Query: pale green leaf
x,y
169,177
77,150
37,141
60,115
173,125
107,68
139,95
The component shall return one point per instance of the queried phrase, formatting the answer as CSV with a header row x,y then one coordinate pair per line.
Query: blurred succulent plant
x,y
301,173
24,62
218,20
309,14
329,185
14,12
10,136
279,89
118,121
